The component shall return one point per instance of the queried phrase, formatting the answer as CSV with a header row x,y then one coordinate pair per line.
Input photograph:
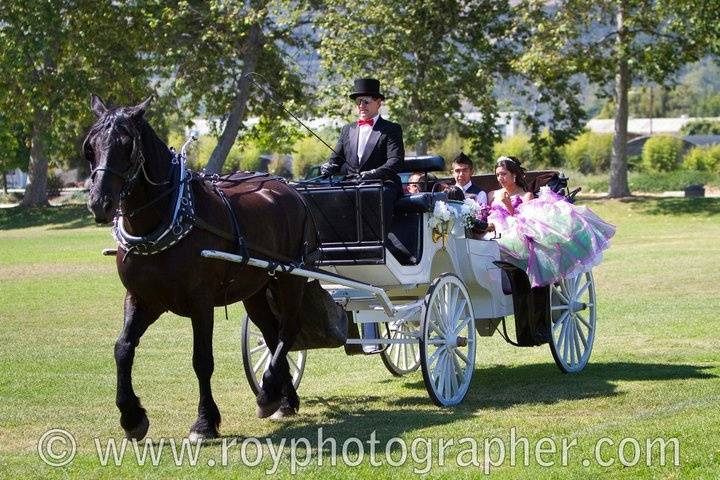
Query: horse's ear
x,y
97,105
139,110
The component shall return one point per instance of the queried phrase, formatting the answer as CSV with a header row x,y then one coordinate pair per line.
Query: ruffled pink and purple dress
x,y
549,237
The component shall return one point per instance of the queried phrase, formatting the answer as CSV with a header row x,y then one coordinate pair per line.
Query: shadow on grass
x,y
497,387
57,217
674,206
685,206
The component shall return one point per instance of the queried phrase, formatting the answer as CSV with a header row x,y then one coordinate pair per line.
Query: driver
x,y
370,148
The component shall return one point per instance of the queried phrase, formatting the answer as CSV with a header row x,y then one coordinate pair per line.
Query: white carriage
x,y
421,295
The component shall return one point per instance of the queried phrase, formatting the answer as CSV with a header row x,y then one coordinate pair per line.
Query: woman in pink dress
x,y
548,237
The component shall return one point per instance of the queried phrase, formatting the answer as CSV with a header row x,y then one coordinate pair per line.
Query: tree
x,y
615,42
13,148
53,54
429,56
213,50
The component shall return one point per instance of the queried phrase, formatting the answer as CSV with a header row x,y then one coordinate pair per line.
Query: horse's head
x,y
114,149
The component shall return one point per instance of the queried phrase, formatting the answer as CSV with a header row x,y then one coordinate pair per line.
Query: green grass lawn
x,y
654,372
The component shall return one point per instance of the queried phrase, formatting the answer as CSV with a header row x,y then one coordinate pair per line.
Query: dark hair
x,y
455,193
512,165
463,159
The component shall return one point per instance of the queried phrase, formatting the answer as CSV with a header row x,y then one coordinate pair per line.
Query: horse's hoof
x,y
139,432
283,413
264,411
196,436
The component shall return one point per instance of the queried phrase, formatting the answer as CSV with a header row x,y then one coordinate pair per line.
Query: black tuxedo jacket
x,y
473,189
384,151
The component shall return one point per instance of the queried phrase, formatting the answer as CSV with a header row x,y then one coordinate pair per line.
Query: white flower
x,y
442,212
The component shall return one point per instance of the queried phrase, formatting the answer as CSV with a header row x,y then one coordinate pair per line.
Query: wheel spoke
x,y
440,323
569,341
576,341
560,321
292,363
582,289
557,291
584,322
452,304
458,311
462,356
257,349
582,337
262,361
433,357
564,333
462,326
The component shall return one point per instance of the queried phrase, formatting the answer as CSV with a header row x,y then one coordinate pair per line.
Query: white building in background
x,y
507,122
16,179
646,126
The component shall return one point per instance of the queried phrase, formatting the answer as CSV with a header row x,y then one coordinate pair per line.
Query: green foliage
x,y
449,147
308,151
649,182
429,56
516,146
662,153
701,127
706,159
54,185
590,152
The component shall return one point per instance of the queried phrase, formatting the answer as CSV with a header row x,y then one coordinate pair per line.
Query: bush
x,y
590,152
516,146
701,127
662,153
308,151
450,147
670,181
704,159
54,185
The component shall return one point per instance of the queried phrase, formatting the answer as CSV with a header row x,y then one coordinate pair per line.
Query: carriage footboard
x,y
531,307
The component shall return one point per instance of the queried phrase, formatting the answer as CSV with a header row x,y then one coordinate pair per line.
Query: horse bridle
x,y
137,164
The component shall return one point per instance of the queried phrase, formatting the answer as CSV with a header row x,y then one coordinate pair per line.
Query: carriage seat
x,y
423,163
419,202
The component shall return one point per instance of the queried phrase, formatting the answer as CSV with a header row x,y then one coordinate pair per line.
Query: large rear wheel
x,y
256,357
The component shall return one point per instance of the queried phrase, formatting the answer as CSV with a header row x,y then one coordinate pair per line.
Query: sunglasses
x,y
364,101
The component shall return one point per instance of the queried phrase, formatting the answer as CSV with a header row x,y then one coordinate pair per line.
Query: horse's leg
x,y
138,318
208,419
288,298
259,311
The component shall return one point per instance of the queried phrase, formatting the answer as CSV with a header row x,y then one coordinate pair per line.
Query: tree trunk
x,y
5,183
618,163
36,189
251,48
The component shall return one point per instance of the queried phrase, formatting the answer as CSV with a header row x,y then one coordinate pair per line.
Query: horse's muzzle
x,y
101,207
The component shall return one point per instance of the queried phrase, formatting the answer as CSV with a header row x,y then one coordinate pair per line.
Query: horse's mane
x,y
109,123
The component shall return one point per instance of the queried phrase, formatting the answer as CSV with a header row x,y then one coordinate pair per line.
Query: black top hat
x,y
367,86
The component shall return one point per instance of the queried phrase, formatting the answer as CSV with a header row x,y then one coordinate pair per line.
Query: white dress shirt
x,y
363,135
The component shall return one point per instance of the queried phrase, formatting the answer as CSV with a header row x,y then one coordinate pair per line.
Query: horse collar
x,y
167,234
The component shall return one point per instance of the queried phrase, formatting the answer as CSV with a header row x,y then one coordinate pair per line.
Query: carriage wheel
x,y
572,321
256,357
447,344
401,358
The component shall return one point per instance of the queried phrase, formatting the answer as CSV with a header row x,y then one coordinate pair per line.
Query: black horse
x,y
136,180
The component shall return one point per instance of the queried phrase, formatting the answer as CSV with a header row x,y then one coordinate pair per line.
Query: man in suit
x,y
370,148
462,170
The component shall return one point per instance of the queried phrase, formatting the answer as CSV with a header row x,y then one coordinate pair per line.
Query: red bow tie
x,y
362,122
